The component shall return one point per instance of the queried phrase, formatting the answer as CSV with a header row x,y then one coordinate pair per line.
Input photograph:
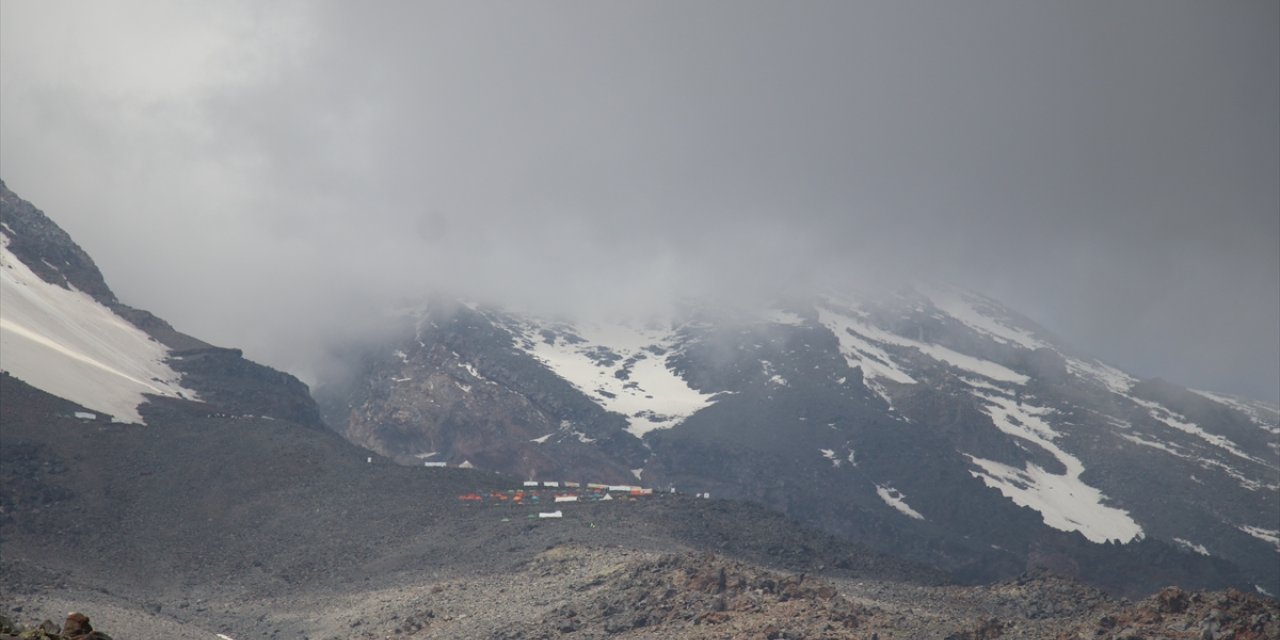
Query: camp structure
x,y
551,514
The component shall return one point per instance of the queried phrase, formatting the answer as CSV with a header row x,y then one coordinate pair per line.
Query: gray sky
x,y
268,174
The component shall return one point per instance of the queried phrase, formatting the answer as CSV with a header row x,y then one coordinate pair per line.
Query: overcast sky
x,y
268,175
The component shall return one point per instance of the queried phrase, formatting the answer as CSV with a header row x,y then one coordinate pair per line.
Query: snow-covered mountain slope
x,y
63,331
931,413
621,367
63,341
1114,445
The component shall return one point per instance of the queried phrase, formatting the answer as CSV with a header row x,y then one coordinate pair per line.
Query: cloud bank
x,y
271,175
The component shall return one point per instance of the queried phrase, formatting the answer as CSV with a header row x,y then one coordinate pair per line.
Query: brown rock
x,y
77,624
1172,600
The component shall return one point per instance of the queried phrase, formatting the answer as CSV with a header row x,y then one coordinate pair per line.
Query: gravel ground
x,y
256,528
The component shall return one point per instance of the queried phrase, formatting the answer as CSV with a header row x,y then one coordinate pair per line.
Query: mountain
x,y
932,423
168,488
64,331
175,489
215,527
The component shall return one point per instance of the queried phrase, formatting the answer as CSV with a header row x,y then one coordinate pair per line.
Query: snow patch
x,y
475,373
1154,445
1178,422
622,368
981,315
985,386
1264,417
1243,480
1204,463
1198,548
861,338
895,499
830,454
984,368
860,352
1110,377
68,344
1064,501
1266,535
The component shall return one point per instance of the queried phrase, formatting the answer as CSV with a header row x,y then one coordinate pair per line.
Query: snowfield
x,y
981,315
1064,501
621,367
68,344
859,342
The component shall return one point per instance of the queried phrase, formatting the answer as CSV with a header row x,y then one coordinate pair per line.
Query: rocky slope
x,y
229,514
253,527
65,331
934,424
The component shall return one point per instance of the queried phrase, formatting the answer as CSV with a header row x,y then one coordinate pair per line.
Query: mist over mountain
x,y
733,318
1107,170
866,452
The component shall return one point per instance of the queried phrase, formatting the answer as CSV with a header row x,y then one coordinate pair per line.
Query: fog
x,y
275,175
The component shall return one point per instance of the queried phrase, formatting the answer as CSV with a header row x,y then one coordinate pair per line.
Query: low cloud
x,y
274,176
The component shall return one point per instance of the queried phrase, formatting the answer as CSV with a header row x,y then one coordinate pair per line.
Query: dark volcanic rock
x,y
47,250
697,596
231,385
423,397
795,426
1177,615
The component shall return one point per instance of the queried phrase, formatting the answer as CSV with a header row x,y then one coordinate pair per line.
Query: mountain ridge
x,y
900,434
922,404
67,330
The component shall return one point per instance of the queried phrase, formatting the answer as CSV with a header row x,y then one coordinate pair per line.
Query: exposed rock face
x,y
942,427
1177,614
423,402
954,434
227,383
47,250
703,597
169,528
